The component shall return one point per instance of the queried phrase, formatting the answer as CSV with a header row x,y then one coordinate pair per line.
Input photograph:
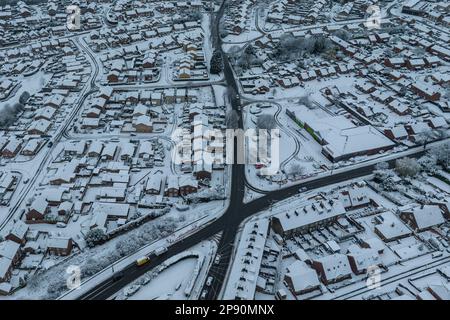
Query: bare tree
x,y
381,166
425,137
306,101
295,169
407,167
442,154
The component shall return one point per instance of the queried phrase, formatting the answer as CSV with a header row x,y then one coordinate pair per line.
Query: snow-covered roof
x,y
375,243
39,204
247,261
355,140
112,209
366,258
302,276
8,249
5,265
428,216
341,135
358,196
302,255
76,147
58,242
96,147
335,266
310,214
145,147
127,149
19,229
154,182
391,227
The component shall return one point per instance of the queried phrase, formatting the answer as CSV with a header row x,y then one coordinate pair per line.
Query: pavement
x,y
227,224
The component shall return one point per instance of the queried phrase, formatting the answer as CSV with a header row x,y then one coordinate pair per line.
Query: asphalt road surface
x,y
229,222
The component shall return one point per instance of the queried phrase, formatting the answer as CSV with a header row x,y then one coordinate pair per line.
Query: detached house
x,y
187,185
18,232
301,279
363,260
143,124
173,187
425,91
423,218
59,246
37,210
10,250
333,268
10,255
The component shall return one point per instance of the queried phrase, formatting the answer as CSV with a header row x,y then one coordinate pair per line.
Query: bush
x,y
94,237
216,65
24,97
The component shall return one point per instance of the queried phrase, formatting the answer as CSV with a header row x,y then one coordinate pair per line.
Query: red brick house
x,y
59,246
18,232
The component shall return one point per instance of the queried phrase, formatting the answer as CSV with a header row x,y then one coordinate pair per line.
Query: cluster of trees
x,y
94,237
247,58
8,114
295,169
343,34
438,157
442,155
207,195
216,65
407,167
290,47
189,16
306,101
96,259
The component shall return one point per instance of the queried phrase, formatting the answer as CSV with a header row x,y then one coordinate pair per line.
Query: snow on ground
x,y
441,185
169,283
31,84
174,278
96,263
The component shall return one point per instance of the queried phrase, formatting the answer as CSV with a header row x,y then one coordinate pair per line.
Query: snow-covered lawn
x,y
169,283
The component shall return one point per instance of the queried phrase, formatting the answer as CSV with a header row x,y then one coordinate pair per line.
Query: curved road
x,y
235,214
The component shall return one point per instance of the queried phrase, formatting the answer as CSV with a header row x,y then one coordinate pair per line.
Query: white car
x,y
209,281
